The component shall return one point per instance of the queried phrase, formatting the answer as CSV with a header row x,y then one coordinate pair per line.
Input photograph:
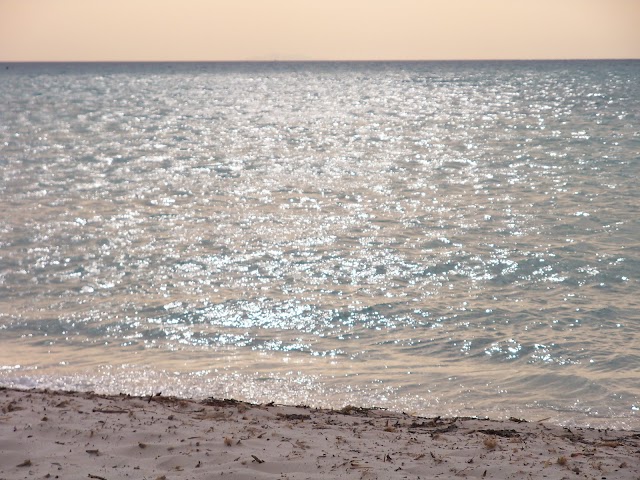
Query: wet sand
x,y
71,435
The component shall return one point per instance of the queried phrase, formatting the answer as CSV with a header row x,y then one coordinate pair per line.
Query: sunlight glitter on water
x,y
455,238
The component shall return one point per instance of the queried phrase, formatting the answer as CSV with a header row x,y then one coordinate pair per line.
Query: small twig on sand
x,y
101,410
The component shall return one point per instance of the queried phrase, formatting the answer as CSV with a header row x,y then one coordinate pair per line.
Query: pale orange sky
x,y
184,30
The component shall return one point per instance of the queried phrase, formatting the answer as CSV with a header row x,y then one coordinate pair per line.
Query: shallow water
x,y
438,238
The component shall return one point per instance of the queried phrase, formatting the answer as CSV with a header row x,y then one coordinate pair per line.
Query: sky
x,y
238,30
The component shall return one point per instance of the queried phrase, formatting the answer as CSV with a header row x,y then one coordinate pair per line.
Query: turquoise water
x,y
438,238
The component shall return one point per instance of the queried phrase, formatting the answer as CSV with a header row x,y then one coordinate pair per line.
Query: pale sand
x,y
84,435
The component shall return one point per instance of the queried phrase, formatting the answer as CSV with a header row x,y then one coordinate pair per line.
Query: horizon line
x,y
391,60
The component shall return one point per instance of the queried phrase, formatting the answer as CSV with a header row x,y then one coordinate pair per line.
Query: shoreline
x,y
58,434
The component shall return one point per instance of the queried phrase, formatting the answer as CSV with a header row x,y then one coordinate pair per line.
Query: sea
x,y
436,238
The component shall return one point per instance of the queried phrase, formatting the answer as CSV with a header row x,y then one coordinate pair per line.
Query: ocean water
x,y
456,238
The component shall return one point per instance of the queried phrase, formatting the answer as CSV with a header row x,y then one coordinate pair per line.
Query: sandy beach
x,y
71,435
